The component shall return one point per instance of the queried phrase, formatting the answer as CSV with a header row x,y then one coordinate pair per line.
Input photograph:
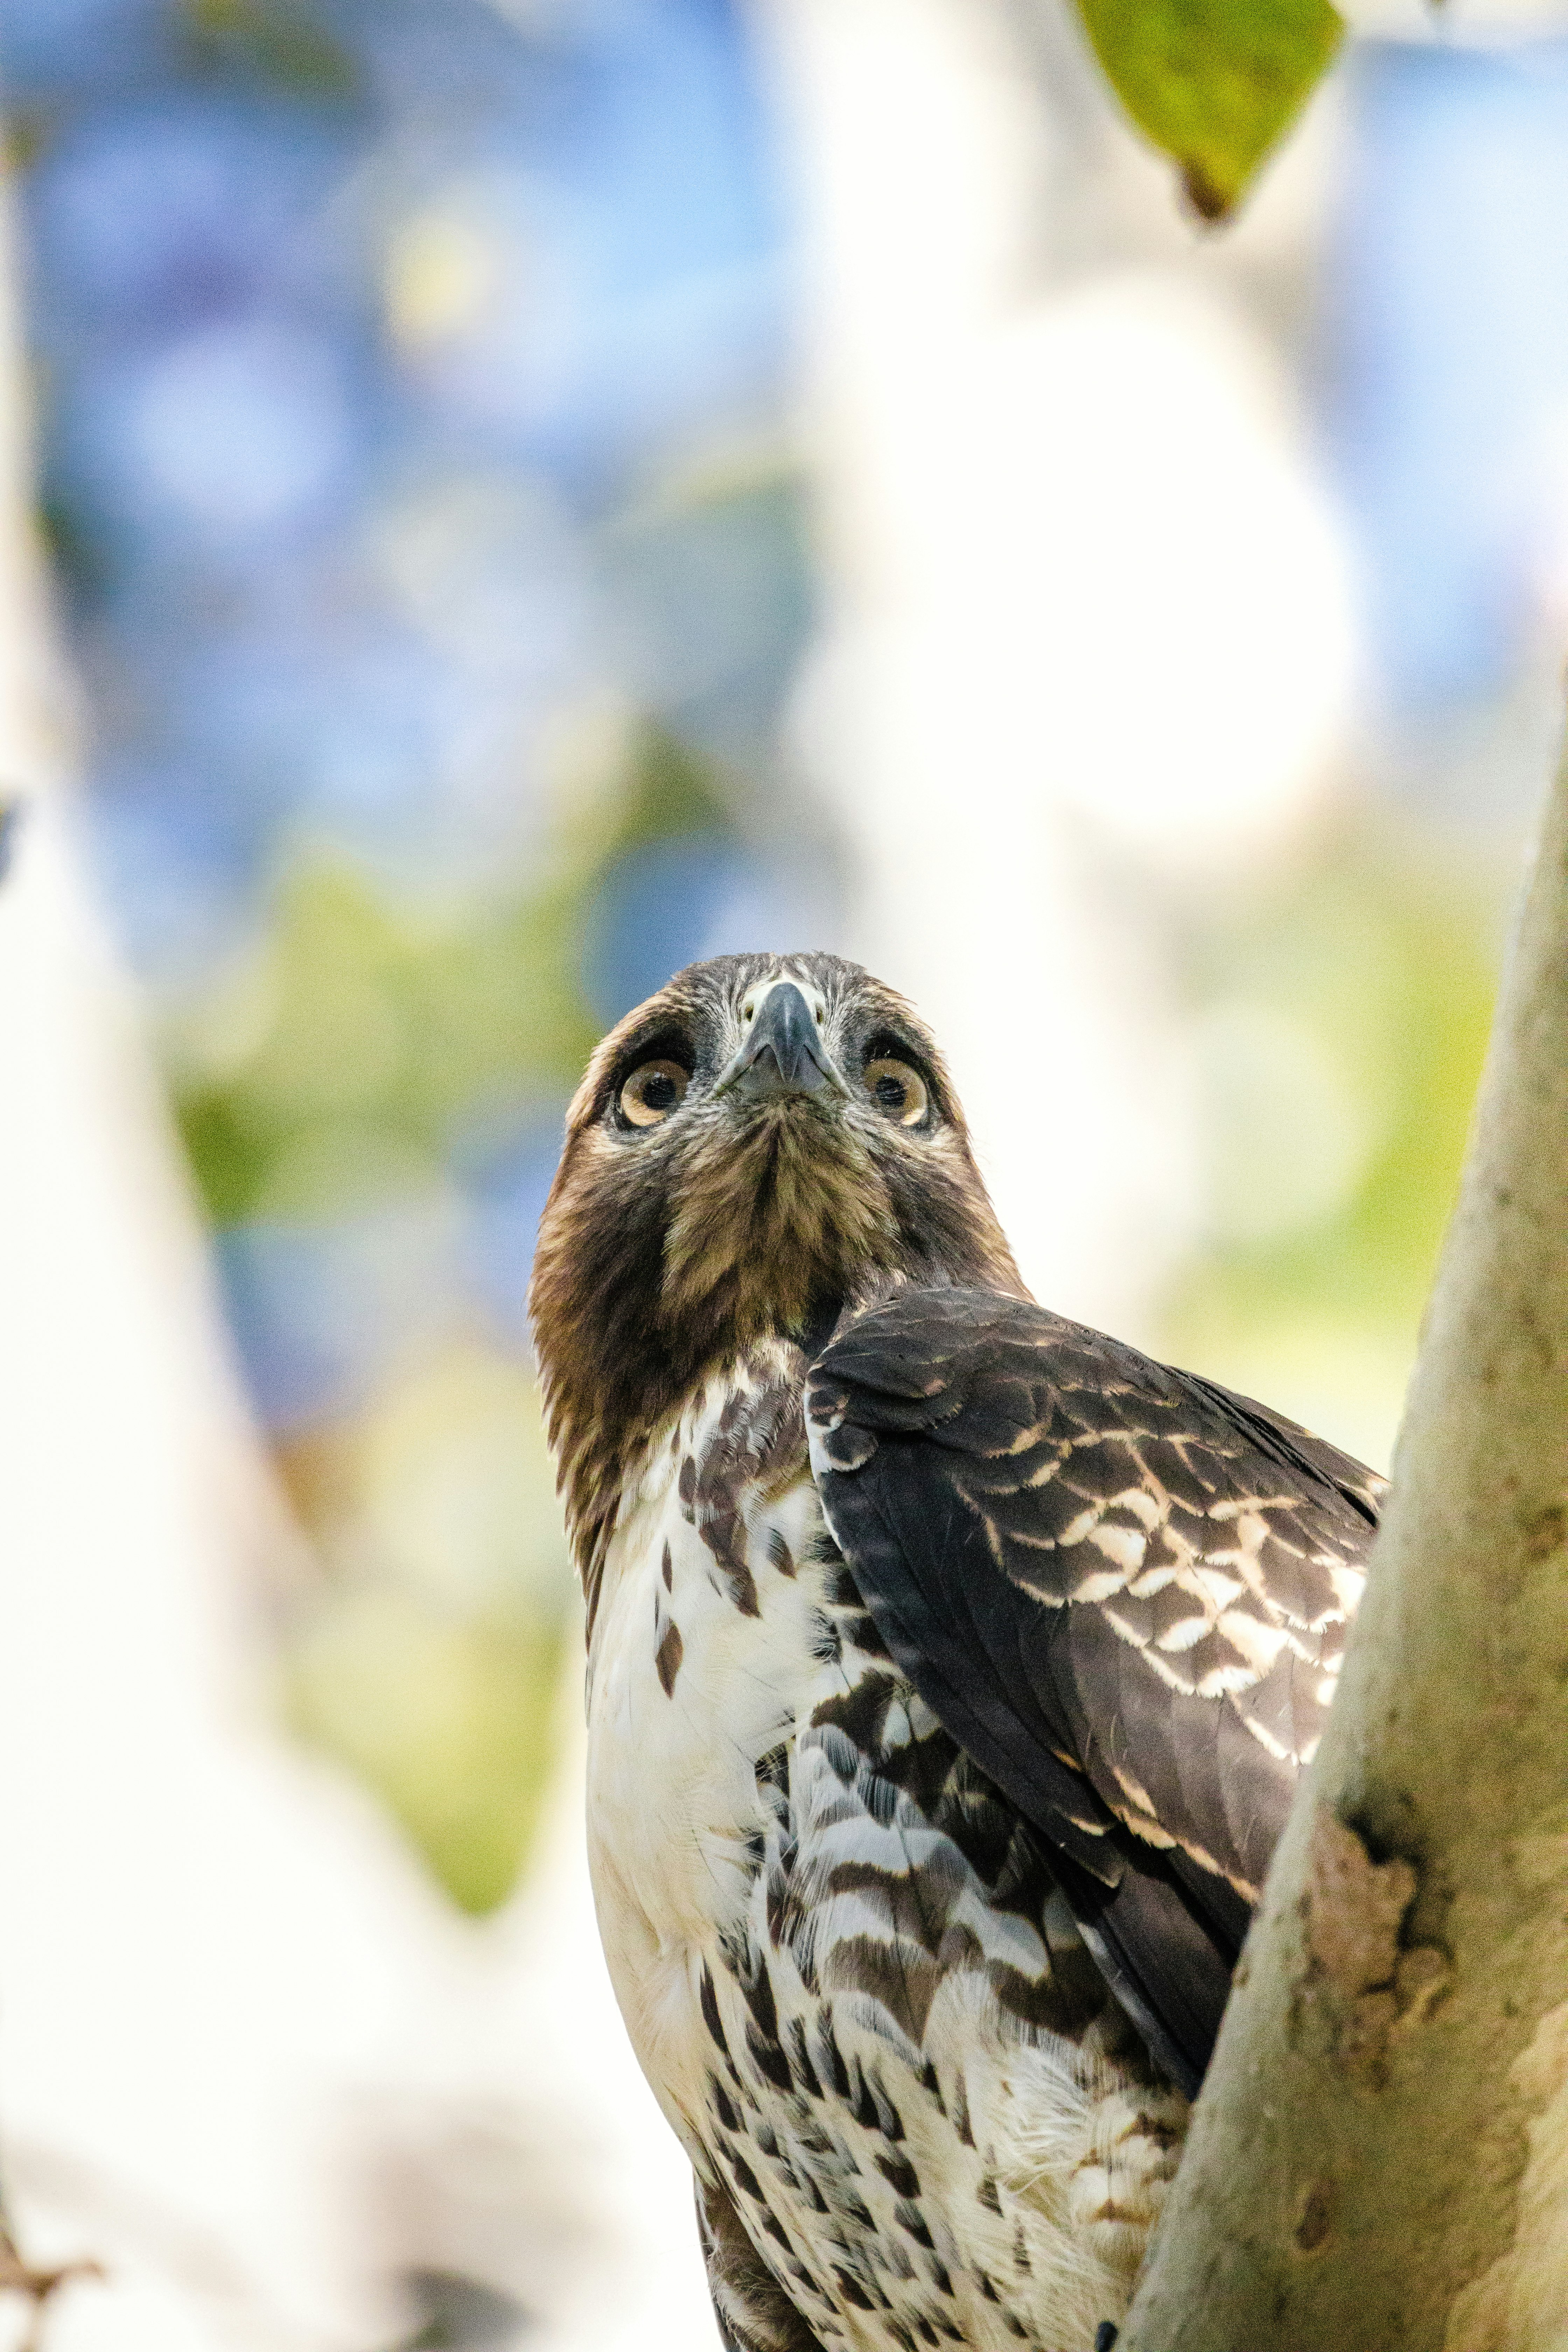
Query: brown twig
x,y
18,2276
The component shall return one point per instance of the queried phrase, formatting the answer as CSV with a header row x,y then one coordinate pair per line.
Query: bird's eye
x,y
897,1089
652,1092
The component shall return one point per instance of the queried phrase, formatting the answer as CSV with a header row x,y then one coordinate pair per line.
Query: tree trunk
x,y
1380,2157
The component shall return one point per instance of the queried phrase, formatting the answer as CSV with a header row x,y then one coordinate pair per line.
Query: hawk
x,y
950,1669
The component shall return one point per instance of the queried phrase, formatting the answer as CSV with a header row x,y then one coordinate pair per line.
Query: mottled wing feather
x,y
1122,1589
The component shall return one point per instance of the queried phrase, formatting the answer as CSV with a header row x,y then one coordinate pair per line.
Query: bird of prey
x,y
950,1669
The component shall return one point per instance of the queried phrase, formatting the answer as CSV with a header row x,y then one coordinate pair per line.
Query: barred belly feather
x,y
915,2114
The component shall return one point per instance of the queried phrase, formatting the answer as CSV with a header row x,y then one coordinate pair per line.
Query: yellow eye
x,y
651,1093
897,1089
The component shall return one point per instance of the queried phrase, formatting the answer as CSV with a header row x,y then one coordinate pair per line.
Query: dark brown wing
x,y
1122,1589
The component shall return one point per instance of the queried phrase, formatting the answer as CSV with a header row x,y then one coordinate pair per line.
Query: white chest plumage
x,y
691,1678
839,1953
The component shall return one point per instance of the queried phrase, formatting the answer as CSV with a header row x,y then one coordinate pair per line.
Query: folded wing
x,y
1120,1587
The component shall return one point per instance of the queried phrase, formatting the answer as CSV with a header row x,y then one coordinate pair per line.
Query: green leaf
x,y
1213,82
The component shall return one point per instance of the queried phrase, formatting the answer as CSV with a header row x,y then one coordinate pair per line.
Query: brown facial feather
x,y
666,1252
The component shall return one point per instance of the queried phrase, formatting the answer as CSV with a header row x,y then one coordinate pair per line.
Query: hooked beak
x,y
783,1054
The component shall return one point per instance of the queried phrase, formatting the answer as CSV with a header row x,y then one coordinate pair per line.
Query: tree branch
x,y
1380,2156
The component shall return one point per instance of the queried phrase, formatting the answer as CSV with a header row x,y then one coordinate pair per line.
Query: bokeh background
x,y
528,493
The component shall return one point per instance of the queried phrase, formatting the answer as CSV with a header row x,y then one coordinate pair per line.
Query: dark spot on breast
x,y
745,2179
757,1449
709,2001
960,1948
769,2060
853,2292
830,2059
929,2082
909,2217
914,1904
780,1553
806,2072
861,1711
784,1912
900,2174
1033,2001
986,2289
688,1483
988,2195
757,1987
667,1572
773,2227
722,1529
938,2276
890,2121
667,1657
721,2105
961,2112
1021,2253
863,2104
826,1647
1014,2324
903,1983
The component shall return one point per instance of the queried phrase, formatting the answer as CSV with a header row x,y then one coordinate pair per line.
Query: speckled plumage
x,y
840,1953
932,1770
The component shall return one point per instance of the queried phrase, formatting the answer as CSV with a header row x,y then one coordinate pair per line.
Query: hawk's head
x,y
765,1142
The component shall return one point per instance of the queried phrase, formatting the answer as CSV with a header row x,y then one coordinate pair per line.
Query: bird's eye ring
x,y
652,1092
898,1090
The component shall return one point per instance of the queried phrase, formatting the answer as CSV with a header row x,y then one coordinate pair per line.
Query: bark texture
x,y
1378,2161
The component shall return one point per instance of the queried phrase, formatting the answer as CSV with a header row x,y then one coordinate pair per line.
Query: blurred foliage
x,y
431,1665
450,1721
364,1032
351,1057
280,42
1343,1022
345,1055
1215,83
410,385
